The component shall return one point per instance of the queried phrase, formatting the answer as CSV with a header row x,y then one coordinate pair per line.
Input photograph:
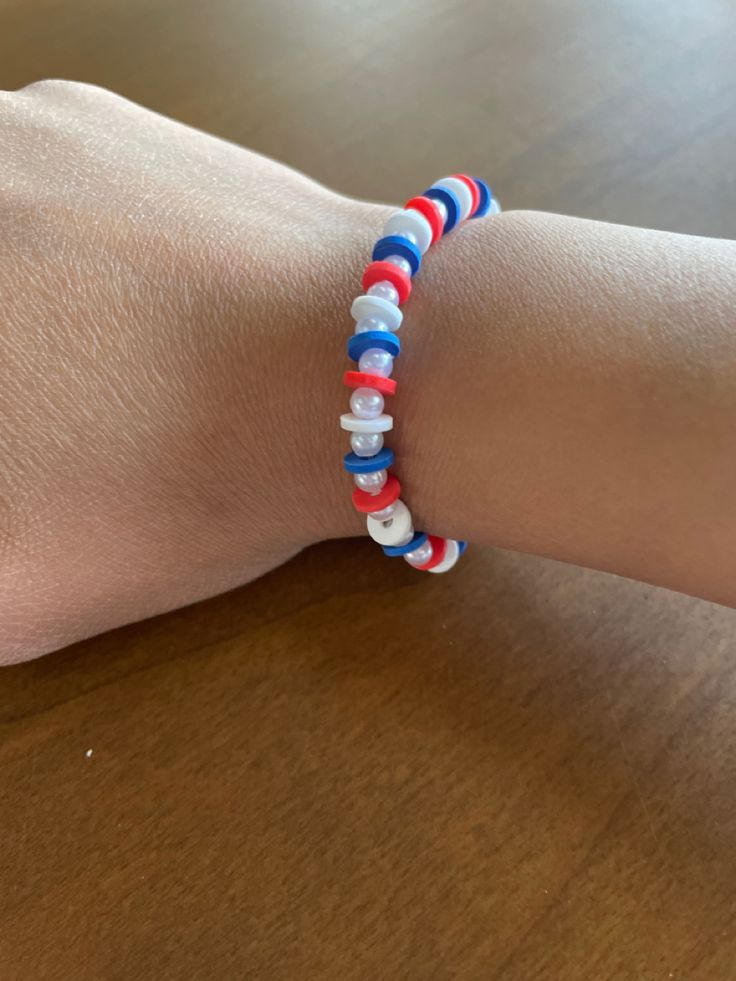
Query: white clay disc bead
x,y
381,424
409,220
376,306
461,192
396,531
442,208
452,554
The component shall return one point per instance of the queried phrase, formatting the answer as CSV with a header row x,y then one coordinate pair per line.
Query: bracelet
x,y
396,259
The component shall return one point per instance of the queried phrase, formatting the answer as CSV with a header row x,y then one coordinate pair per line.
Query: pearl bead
x,y
366,403
400,262
385,290
495,208
370,323
375,361
385,513
420,556
371,483
440,206
366,444
410,236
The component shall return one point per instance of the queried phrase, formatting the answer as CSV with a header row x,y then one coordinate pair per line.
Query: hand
x,y
172,312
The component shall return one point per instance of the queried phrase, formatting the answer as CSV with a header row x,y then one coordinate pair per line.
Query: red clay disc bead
x,y
473,188
426,207
361,379
365,502
377,272
439,547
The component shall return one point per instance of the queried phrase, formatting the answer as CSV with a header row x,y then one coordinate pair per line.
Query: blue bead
x,y
368,464
394,550
485,199
450,201
462,546
383,339
398,245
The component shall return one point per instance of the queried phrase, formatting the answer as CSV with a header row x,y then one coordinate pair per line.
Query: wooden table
x,y
347,771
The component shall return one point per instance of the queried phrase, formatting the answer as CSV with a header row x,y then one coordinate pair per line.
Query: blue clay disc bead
x,y
398,245
394,550
360,343
485,199
369,464
450,202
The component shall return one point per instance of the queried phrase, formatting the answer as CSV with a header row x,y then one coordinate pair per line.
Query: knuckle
x,y
65,90
44,86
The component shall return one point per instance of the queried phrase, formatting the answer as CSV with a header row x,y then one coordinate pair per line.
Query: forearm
x,y
568,388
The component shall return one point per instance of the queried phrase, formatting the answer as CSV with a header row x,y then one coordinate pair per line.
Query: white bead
x,y
421,555
376,306
441,208
370,323
412,221
376,361
495,208
396,531
353,424
366,403
385,513
371,483
411,237
452,554
386,290
366,444
461,191
400,262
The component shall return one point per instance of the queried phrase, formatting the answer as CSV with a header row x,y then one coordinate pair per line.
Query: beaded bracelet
x,y
396,258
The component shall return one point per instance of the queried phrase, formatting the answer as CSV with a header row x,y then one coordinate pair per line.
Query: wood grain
x,y
347,771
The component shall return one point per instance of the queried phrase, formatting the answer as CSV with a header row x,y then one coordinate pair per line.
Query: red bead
x,y
377,272
426,207
365,502
473,188
439,547
361,379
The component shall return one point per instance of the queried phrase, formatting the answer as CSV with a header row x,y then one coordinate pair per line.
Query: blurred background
x,y
614,109
345,771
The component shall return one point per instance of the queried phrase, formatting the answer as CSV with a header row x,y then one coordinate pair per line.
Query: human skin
x,y
173,314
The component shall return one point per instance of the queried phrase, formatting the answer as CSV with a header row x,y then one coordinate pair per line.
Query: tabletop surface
x,y
345,770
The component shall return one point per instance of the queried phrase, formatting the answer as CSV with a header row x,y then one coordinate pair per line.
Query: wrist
x,y
439,336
